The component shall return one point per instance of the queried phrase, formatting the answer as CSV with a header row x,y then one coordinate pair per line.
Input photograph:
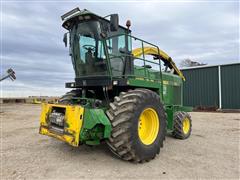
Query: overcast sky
x,y
31,37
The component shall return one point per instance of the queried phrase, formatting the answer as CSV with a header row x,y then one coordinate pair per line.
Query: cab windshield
x,y
87,49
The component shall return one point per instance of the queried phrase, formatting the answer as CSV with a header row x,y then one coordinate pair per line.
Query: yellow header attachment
x,y
73,120
158,53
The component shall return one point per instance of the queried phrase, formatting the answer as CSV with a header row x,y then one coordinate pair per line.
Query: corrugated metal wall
x,y
201,88
230,80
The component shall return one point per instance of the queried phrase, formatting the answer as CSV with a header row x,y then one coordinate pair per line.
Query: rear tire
x,y
124,114
182,125
67,98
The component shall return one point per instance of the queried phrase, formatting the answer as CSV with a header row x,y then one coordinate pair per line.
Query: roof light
x,y
70,13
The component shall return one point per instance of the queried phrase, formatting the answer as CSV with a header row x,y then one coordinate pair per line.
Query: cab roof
x,y
72,15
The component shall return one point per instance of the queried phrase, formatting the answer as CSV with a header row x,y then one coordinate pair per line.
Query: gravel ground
x,y
212,151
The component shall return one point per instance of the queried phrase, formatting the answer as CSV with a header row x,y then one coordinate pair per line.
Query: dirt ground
x,y
211,152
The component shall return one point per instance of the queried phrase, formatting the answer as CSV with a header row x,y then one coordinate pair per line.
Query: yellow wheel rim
x,y
148,126
186,125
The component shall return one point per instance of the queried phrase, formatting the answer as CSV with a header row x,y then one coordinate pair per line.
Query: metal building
x,y
215,86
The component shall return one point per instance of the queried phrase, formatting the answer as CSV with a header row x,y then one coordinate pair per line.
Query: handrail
x,y
155,51
135,57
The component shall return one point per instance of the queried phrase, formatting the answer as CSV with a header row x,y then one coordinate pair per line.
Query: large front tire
x,y
138,125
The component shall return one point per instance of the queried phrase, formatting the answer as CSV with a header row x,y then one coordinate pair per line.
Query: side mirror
x,y
114,21
65,39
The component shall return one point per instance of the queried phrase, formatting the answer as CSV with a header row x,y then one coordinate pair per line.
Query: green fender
x,y
96,126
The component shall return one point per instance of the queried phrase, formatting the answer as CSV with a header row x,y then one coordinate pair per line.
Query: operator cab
x,y
102,54
96,47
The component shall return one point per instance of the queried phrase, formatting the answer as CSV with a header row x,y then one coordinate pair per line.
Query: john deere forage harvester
x,y
127,92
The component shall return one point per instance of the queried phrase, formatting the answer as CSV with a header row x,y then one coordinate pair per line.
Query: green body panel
x,y
96,126
170,92
156,75
143,83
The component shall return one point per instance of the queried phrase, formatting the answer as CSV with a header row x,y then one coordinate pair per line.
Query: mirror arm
x,y
65,39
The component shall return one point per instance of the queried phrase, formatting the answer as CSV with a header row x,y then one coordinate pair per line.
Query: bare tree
x,y
190,63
